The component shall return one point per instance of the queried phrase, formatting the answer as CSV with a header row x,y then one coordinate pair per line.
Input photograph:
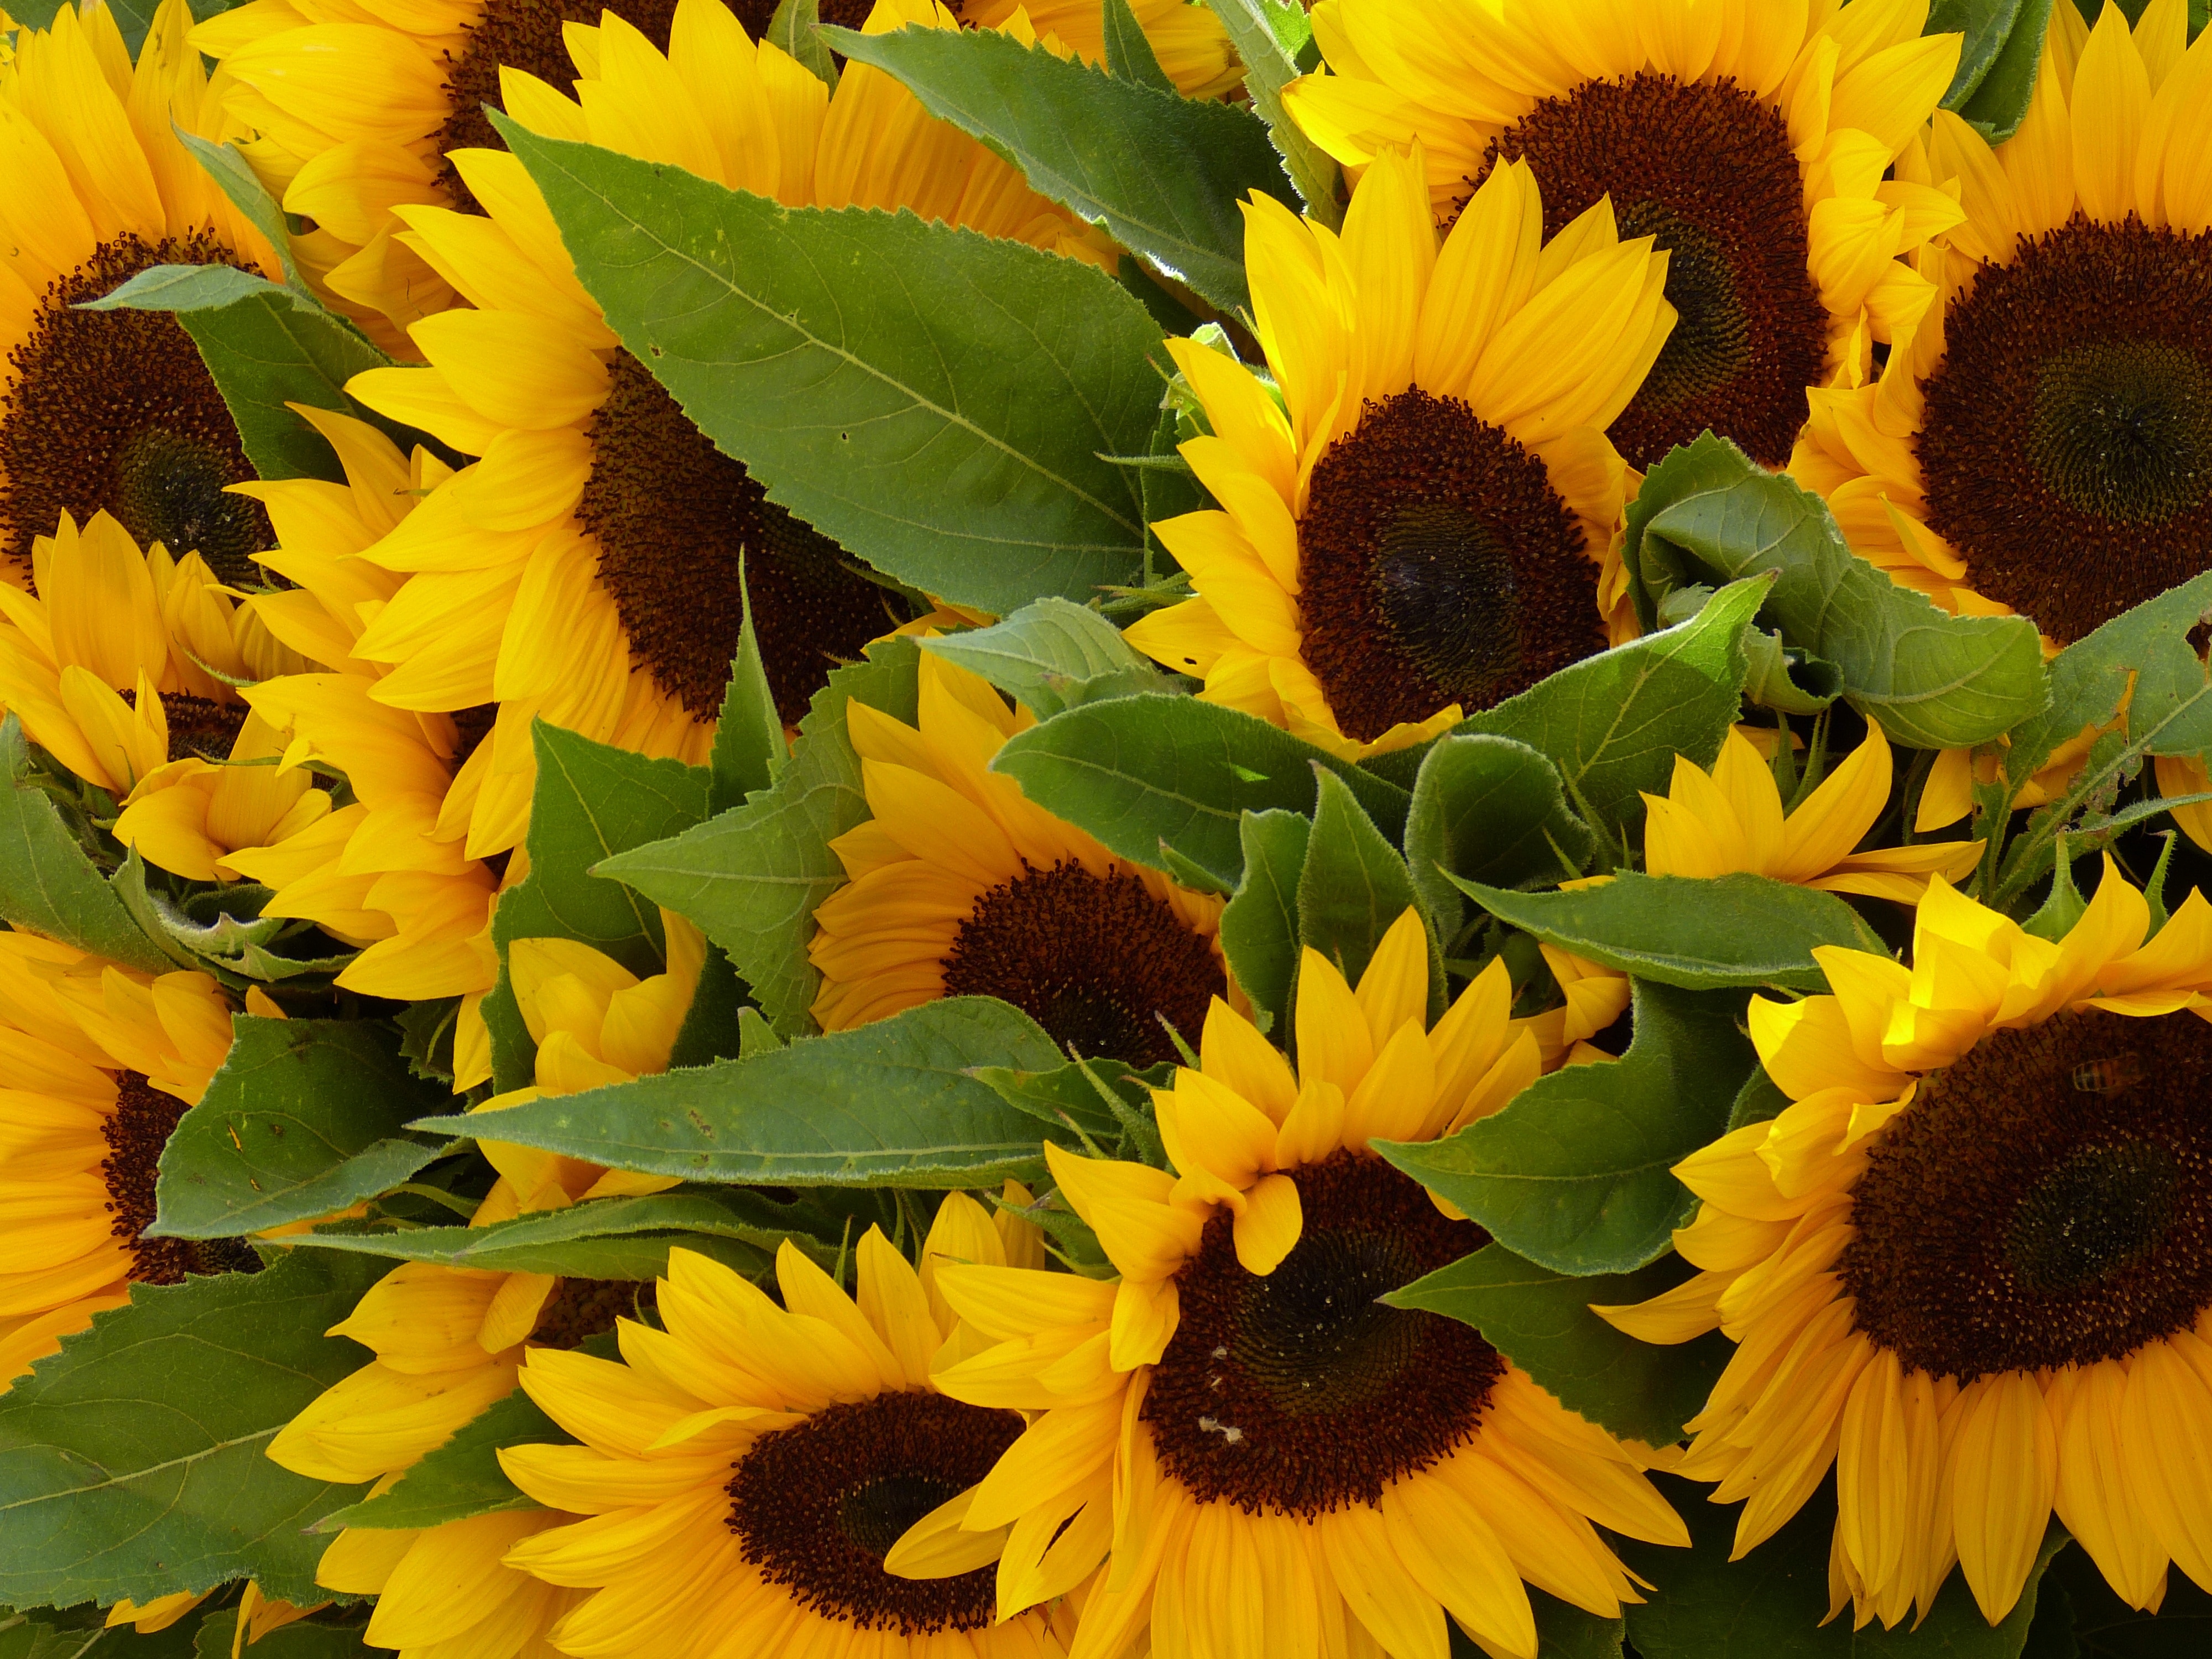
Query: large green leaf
x,y
1614,722
607,1237
1052,655
1164,173
462,1477
134,1462
48,881
1707,514
1139,773
1700,933
78,1632
1576,1172
938,401
306,1117
311,1638
888,1104
266,346
1260,923
1257,29
2103,1626
1998,64
592,801
753,877
750,745
1354,886
1541,1320
1775,1601
1488,809
1129,53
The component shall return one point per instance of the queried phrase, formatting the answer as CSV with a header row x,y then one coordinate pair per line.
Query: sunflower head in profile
x,y
1967,1266
449,1341
749,1465
102,1063
1424,524
961,887
1753,139
1266,1457
114,411
344,164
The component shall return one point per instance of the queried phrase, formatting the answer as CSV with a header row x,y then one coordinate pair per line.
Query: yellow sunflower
x,y
449,1341
347,163
112,411
256,1614
392,871
101,1062
1424,524
1266,1458
1968,1265
1753,138
747,1468
2036,445
586,568
959,887
126,659
1711,824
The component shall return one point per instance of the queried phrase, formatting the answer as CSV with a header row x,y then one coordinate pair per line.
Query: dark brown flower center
x,y
672,514
578,1308
1301,1392
1436,565
1709,172
135,1131
198,727
1095,960
2066,450
818,1505
114,411
2046,1201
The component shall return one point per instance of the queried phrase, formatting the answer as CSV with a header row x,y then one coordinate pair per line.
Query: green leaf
x,y
939,402
1163,173
47,881
1773,1600
592,801
753,877
266,347
796,28
1070,1097
1997,68
1541,1320
462,1477
1269,66
1139,771
133,1463
750,747
888,1104
1934,681
1702,933
1260,923
1050,656
305,1117
1354,886
712,1024
1614,722
605,1238
1576,1172
227,164
2105,1627
308,1638
1128,52
1490,810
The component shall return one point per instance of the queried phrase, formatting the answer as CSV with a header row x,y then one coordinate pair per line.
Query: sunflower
x,y
114,411
2038,443
587,568
1751,138
1731,819
256,1614
101,1063
749,1467
1424,523
347,163
959,887
1268,1459
1969,1265
393,870
125,659
449,1341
